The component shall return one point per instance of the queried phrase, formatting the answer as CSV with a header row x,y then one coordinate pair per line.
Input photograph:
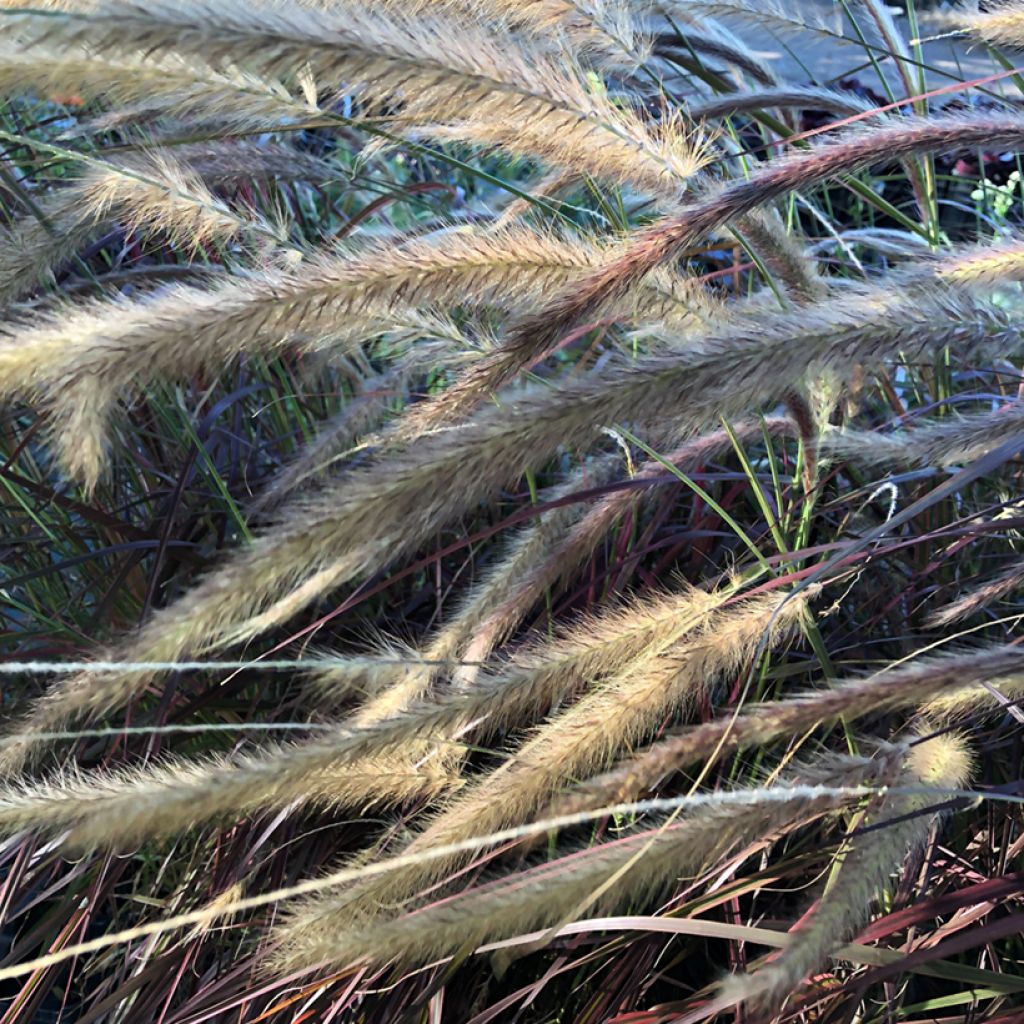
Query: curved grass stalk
x,y
351,431
382,511
707,41
670,672
778,97
898,824
760,12
945,442
538,558
596,880
944,688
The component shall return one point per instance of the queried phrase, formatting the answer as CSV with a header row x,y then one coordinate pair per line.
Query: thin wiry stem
x,y
778,97
342,434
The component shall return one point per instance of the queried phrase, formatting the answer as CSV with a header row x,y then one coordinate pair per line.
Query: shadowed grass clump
x,y
557,460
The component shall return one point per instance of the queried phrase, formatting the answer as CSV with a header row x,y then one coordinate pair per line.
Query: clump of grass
x,y
423,421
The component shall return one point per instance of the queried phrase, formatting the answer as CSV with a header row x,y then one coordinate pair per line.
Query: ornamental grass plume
x,y
374,758
640,866
881,838
428,61
657,683
143,194
946,687
1003,24
386,508
334,303
945,442
555,459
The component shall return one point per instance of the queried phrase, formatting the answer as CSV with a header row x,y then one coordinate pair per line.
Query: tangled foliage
x,y
475,468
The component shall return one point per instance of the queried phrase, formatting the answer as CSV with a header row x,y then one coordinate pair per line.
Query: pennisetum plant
x,y
553,458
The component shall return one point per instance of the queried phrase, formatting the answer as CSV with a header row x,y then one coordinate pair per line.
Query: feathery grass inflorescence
x,y
144,88
78,363
153,196
979,596
376,757
845,153
386,509
1002,24
81,360
679,663
946,442
891,826
529,578
985,264
156,190
946,687
392,343
449,651
122,808
640,866
522,98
